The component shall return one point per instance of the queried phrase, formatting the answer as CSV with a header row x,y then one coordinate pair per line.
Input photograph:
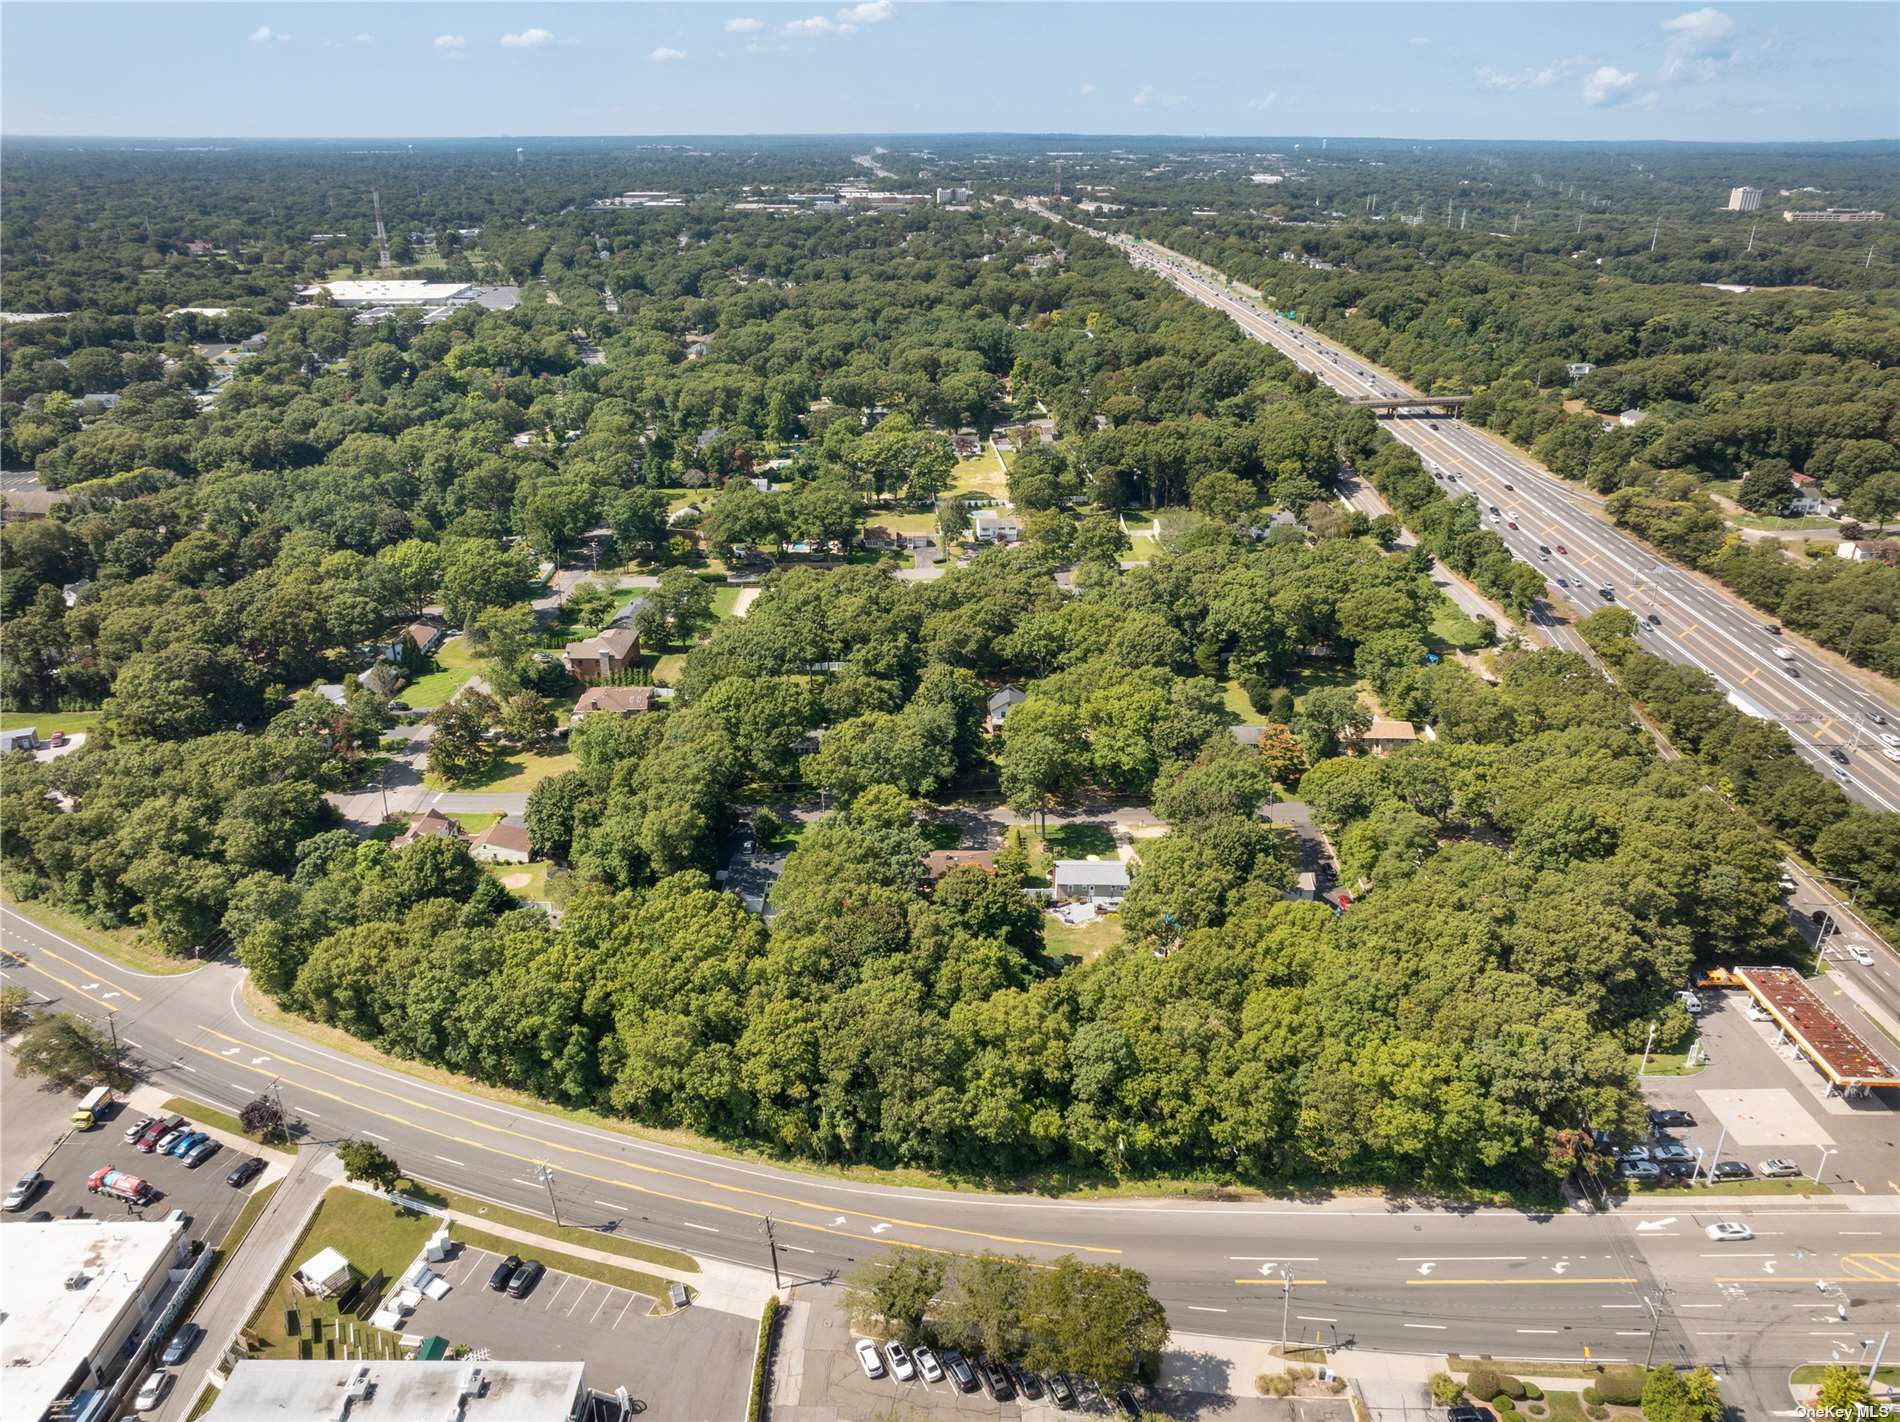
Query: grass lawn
x,y
1079,841
475,821
984,477
539,1224
1142,547
524,881
1888,1373
1564,1406
1452,626
121,945
210,1116
724,597
454,665
46,722
1666,1064
373,1235
1520,1367
1732,1187
515,770
1238,703
667,669
1085,942
925,522
940,834
1806,523
1310,679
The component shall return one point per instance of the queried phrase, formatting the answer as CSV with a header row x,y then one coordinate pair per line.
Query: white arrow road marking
x,y
87,987
879,1228
1267,1268
838,1221
1647,1225
1768,1266
1426,1268
256,1061
231,1051
1560,1266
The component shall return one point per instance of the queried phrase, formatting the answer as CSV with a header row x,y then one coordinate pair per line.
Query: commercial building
x,y
951,197
391,293
75,1299
1834,214
1744,199
262,1390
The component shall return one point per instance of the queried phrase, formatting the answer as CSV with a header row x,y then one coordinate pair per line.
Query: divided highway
x,y
1560,530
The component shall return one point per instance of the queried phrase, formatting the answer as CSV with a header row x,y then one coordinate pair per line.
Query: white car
x,y
1891,752
868,1358
153,1393
1728,1232
1634,1152
1890,739
928,1365
1779,1168
901,1364
1671,1150
1860,955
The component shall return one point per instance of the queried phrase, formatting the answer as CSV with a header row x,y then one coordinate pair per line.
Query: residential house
x,y
1630,419
1002,702
1385,735
416,641
1102,882
613,700
939,862
504,842
988,526
428,825
384,678
1869,550
1577,369
600,658
1248,736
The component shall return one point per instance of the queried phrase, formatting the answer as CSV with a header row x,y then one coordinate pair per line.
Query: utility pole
x,y
1286,1304
1580,224
1751,237
1870,259
1873,1368
1655,1327
1463,213
112,1025
771,1243
545,1174
1448,212
1656,233
1649,1042
1716,1159
283,1116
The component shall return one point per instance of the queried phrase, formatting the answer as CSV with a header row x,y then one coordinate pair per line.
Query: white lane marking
x,y
1718,1333
1437,1326
192,1069
1684,1305
373,1136
1863,1232
1313,1318
130,1043
306,1111
579,1299
623,1310
1622,1305
608,1203
519,1181
798,1248
1273,1258
1632,1333
456,1163
1538,1330
1461,1258
1197,1308
241,1086
565,1281
708,1228
605,1299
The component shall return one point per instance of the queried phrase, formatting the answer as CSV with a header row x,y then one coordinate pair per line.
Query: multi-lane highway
x,y
1354,1269
1562,531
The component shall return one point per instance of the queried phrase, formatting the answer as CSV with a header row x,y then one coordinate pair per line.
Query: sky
x,y
1525,70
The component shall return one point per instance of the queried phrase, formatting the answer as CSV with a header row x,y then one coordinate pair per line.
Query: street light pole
x,y
771,1243
1286,1305
1826,1151
545,1173
1648,1042
1715,1159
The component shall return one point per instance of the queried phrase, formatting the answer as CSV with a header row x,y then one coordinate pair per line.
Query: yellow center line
x,y
37,951
1468,1283
546,1146
1750,675
1792,1279
1690,630
1821,729
70,987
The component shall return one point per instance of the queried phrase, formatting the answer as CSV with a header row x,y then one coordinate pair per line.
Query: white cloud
x,y
1700,44
846,21
817,25
528,39
1085,89
1421,39
743,25
1608,86
1264,101
362,39
1531,76
450,41
261,35
871,12
1146,97
666,55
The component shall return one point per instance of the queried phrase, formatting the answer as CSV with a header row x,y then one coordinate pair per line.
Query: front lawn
x,y
1238,702
667,669
984,477
1079,841
513,770
455,663
474,821
725,596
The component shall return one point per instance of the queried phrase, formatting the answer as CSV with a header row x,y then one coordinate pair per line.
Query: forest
x,y
1535,881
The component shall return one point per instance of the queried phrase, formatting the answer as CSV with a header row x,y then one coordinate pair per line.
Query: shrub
x,y
1277,1385
1445,1389
1511,1387
1502,1402
1536,1409
1484,1382
1621,1387
1532,1391
1336,1386
1596,1413
1591,1397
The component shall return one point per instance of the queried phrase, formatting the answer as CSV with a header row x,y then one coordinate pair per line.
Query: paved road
x,y
1385,1276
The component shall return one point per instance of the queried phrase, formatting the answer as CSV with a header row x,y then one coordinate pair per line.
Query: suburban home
x,y
384,678
939,862
988,526
1001,702
1868,550
598,658
427,825
1248,736
1577,369
1102,882
1630,419
614,700
504,842
1385,735
417,640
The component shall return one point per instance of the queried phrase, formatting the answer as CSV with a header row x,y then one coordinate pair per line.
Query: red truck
x,y
119,1185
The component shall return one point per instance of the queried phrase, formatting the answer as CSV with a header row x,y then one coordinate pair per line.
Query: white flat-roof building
x,y
391,293
73,1296
263,1390
1744,199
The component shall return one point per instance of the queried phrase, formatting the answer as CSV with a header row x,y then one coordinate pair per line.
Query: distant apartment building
x,y
952,197
1834,214
1744,199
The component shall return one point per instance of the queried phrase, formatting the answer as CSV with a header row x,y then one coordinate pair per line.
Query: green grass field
x,y
1238,703
524,881
1453,627
724,596
455,663
1079,841
1311,679
46,722
1732,1187
667,669
515,770
1085,942
475,821
984,477
373,1235
1888,1373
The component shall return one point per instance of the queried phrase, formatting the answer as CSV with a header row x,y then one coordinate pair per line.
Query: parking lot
x,y
1761,1101
690,1364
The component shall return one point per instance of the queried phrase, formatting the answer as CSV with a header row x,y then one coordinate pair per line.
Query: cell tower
x,y
382,237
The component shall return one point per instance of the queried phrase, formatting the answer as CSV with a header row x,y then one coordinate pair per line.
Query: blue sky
x,y
1733,72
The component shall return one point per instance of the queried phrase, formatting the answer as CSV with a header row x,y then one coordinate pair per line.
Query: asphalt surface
x,y
1357,1270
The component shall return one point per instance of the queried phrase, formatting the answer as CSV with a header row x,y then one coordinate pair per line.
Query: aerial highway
x,y
1839,725
1347,1271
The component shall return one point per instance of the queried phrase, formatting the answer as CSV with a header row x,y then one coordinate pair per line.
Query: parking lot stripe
x,y
623,1310
566,1279
605,1299
579,1299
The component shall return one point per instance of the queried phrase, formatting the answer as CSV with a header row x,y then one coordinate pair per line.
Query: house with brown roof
x,y
939,862
504,842
598,658
427,825
1385,735
614,700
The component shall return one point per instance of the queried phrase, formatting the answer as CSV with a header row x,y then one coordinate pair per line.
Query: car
x,y
183,1341
1678,1169
868,1358
1671,1150
1494,508
1635,1152
1511,523
1654,620
1891,752
1691,1004
1843,776
1467,1413
179,1217
1838,756
996,1380
962,1375
1731,1170
522,1282
1607,594
1061,1391
23,1191
1563,550
153,1392
137,1129
1876,718
163,1145
1778,1168
1027,1383
157,1131
245,1172
1563,582
1860,955
1670,1116
1889,738
902,1368
1638,1170
57,739
201,1152
1543,550
1126,1400
40,1217
1773,629
927,1364
1728,1232
1510,488
503,1272
187,1143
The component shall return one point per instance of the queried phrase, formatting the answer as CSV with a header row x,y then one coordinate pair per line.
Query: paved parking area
x,y
692,1364
36,1116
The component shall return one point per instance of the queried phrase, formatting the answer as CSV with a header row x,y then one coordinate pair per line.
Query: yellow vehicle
x,y
93,1110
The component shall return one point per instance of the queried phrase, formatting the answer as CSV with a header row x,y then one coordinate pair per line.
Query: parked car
x,y
1126,1400
201,1152
157,1131
163,1145
1671,1150
1027,1383
1467,1413
928,1365
868,1358
1678,1169
961,1373
1060,1391
187,1143
1731,1170
902,1368
525,1278
137,1129
1779,1168
1638,1170
995,1379
23,1192
247,1170
504,1271
153,1393
183,1341
1634,1152
1729,1232
1669,1116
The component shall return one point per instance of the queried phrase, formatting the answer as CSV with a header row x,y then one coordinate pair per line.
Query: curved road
x,y
1385,1276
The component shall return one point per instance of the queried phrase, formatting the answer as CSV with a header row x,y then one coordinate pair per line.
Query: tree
x,y
458,736
68,1051
15,1009
526,718
1095,1320
891,1295
1670,1396
1767,487
1331,715
1876,499
1446,1390
982,1309
1844,1394
365,1161
953,519
1044,757
261,1118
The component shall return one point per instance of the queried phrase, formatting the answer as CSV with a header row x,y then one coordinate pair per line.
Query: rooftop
x,y
283,1391
1843,1055
1089,871
49,1330
391,293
